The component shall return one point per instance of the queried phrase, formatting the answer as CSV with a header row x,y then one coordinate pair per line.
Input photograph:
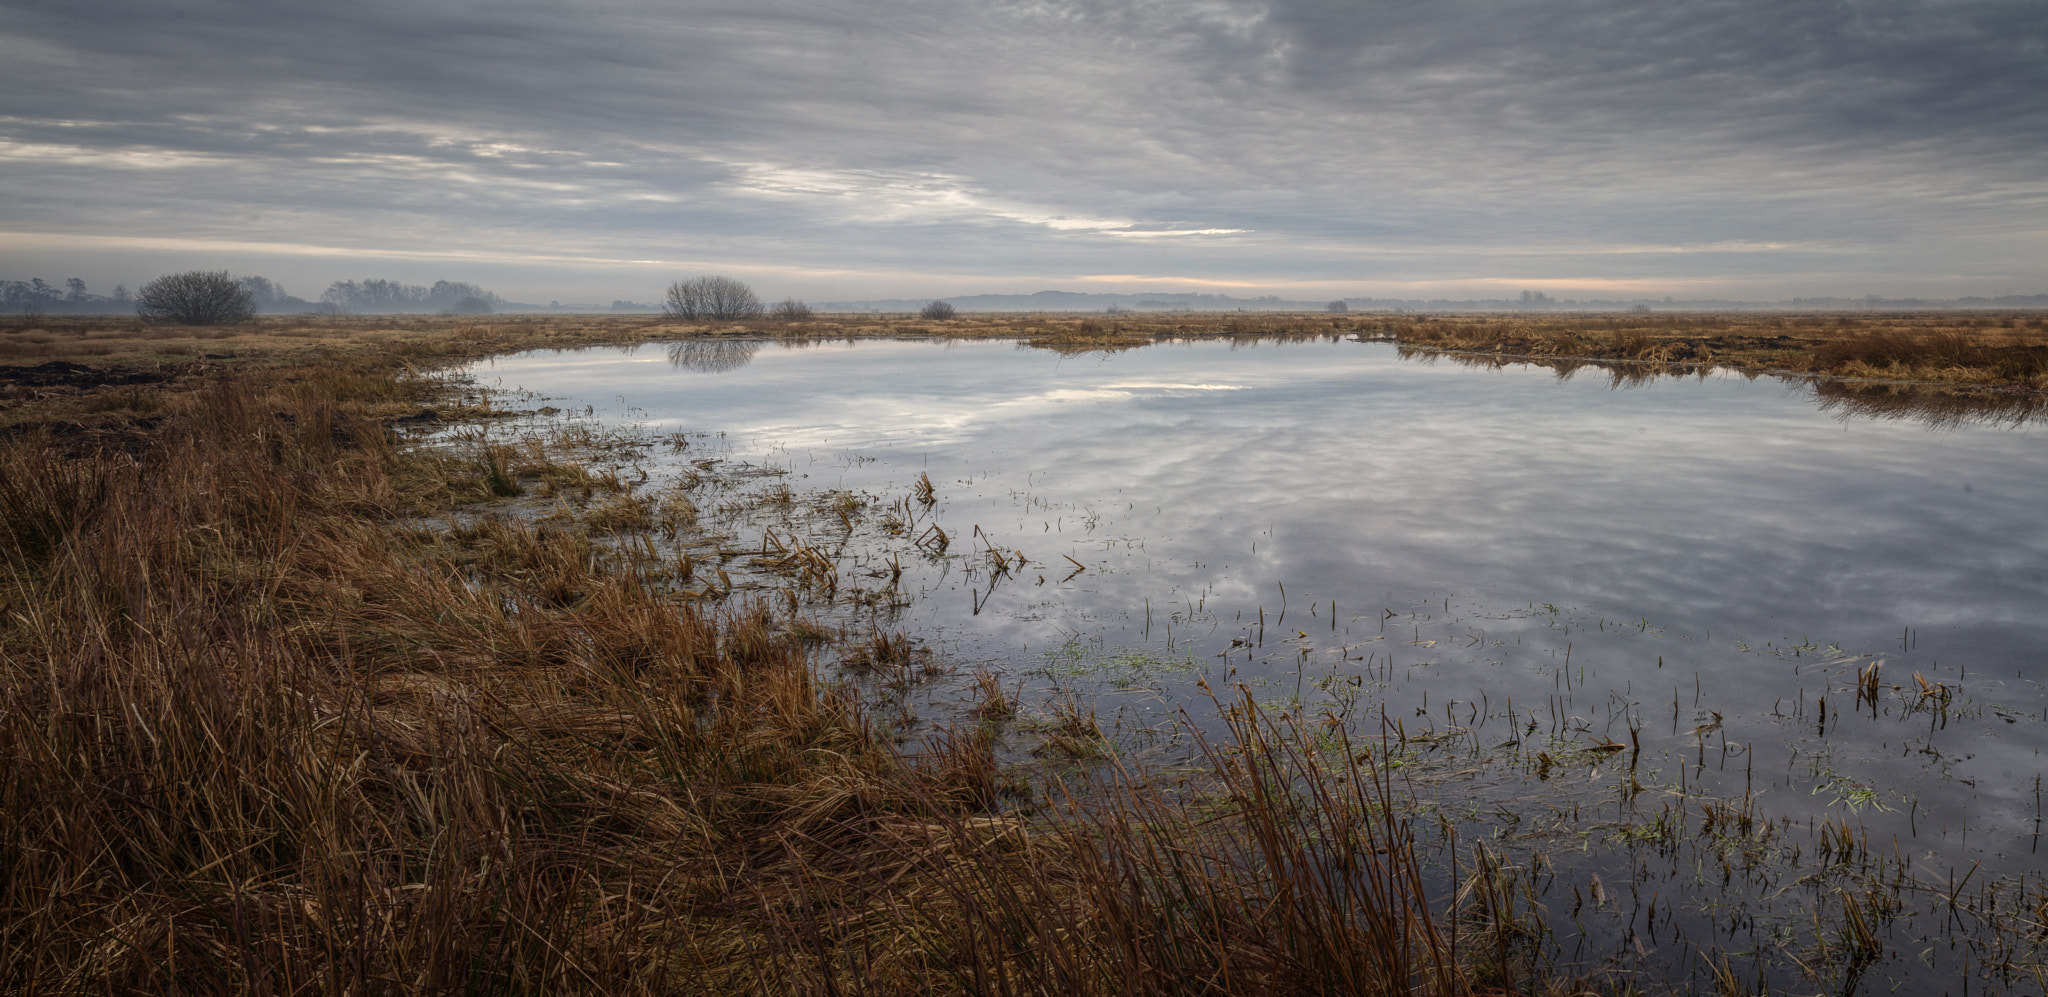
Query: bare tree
x,y
711,297
263,292
375,295
197,297
791,310
27,299
937,310
461,298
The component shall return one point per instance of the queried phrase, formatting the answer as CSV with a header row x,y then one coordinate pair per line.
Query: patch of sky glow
x,y
129,158
930,197
1171,386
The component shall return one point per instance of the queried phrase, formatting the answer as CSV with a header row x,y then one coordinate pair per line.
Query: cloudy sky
x,y
831,150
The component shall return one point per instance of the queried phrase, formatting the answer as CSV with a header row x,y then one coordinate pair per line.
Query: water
x,y
1531,564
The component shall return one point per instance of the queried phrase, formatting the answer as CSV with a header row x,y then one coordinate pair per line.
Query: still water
x,y
1537,562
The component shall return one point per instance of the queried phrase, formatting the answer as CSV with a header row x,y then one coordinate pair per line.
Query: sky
x,y
589,151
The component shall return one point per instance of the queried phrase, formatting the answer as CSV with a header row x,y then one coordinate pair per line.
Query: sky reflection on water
x,y
1697,546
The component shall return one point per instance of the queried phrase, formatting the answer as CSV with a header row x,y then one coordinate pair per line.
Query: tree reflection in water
x,y
713,356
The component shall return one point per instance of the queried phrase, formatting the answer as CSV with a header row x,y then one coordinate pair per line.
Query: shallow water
x,y
1481,549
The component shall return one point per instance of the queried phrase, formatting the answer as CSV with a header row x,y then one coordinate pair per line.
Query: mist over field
x,y
1472,149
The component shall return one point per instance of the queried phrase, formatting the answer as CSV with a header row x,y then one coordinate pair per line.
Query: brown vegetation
x,y
283,709
1991,349
2007,351
265,733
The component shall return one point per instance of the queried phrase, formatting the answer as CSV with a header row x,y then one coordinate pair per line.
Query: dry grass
x,y
262,736
1944,354
2003,350
257,740
260,732
1992,349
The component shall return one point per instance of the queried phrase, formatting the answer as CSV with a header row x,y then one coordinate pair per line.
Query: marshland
x,y
1026,654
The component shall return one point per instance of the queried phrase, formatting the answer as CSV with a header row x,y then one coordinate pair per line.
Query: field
x,y
2005,350
281,716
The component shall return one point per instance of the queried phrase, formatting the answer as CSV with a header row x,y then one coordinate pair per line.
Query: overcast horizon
x,y
1306,148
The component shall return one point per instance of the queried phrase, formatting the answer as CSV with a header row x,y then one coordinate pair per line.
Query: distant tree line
x,y
36,296
377,295
269,297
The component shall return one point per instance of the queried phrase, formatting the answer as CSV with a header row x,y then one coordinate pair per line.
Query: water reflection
x,y
1532,558
1736,519
1932,406
1938,406
713,356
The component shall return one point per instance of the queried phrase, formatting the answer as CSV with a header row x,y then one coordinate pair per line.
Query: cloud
x,y
1331,141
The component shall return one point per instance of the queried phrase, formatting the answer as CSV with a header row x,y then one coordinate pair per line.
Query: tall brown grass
x,y
2002,349
2006,351
262,734
1939,354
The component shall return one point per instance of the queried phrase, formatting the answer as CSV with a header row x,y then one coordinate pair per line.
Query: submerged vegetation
x,y
269,729
301,697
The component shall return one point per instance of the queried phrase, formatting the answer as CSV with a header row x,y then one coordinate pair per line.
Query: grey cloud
x,y
1900,68
1389,141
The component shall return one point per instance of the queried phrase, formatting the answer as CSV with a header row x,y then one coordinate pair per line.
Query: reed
x,y
263,735
292,704
258,738
1958,349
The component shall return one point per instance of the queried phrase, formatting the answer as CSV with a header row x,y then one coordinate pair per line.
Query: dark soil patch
x,y
64,373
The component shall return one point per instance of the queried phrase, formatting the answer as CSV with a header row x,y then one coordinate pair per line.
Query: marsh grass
x,y
269,730
2004,350
1071,729
259,740
294,703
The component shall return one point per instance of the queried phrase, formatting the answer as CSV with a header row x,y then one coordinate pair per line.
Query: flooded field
x,y
1725,685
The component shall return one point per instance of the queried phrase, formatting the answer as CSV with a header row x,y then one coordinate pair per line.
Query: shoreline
x,y
639,728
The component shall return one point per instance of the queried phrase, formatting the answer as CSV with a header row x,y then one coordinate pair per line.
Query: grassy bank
x,y
268,729
2006,351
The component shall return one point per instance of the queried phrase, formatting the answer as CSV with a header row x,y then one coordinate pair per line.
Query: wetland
x,y
1589,607
1317,657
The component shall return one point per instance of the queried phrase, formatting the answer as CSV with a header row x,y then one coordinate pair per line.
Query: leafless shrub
x,y
196,297
711,297
790,310
937,310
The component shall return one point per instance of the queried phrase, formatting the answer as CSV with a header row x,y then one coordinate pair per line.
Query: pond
x,y
1835,621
